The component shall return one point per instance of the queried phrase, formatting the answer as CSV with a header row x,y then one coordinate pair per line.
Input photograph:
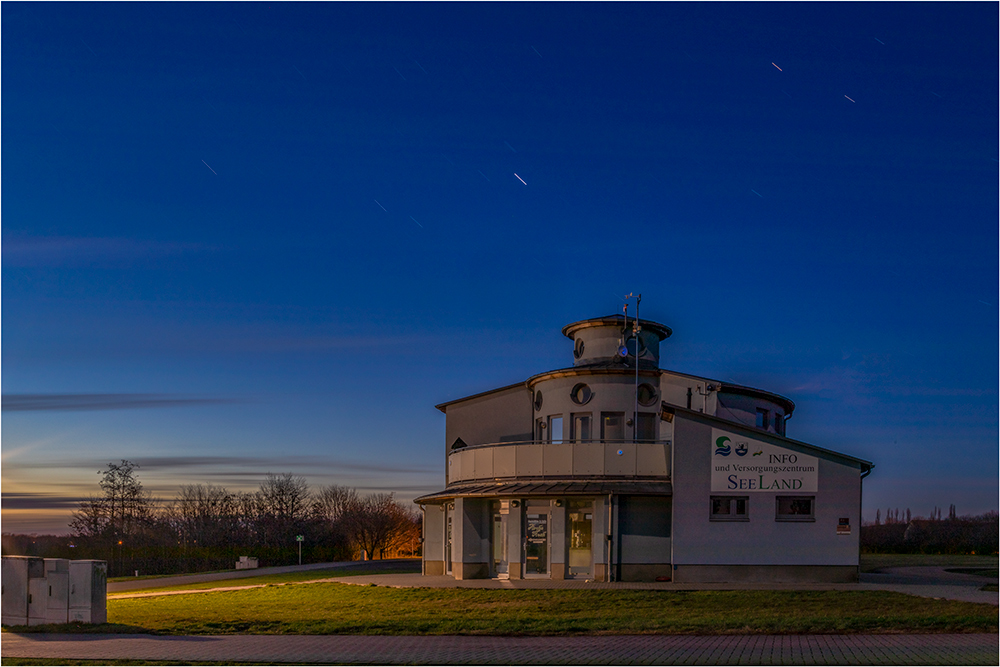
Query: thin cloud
x,y
35,501
66,250
222,466
63,402
275,465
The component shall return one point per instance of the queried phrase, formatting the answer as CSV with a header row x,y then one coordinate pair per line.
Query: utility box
x,y
38,598
38,591
57,603
17,571
88,591
246,563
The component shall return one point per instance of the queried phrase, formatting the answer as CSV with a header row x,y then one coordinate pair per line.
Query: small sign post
x,y
300,539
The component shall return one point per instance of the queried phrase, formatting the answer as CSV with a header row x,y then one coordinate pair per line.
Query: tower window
x,y
612,425
581,394
647,394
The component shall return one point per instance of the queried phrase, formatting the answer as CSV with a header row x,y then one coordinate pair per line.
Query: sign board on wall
x,y
742,464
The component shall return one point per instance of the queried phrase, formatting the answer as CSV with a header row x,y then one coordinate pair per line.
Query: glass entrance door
x,y
580,520
498,540
536,545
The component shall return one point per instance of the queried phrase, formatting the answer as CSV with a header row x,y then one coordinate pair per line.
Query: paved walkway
x,y
978,649
932,582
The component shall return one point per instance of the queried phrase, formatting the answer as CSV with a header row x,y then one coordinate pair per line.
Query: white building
x,y
613,469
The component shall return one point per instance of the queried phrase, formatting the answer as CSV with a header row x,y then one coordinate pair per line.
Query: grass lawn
x,y
874,562
112,580
289,577
330,608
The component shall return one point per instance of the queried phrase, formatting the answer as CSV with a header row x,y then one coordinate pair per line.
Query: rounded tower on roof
x,y
610,341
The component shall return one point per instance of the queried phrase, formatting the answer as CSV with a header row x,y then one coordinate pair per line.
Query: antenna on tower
x,y
636,328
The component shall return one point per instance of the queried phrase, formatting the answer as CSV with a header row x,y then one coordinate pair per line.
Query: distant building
x,y
601,472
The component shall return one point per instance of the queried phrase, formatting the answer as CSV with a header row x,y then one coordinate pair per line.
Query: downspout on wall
x,y
611,541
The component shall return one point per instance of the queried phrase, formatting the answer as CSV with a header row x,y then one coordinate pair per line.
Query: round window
x,y
538,400
578,350
581,394
647,394
630,347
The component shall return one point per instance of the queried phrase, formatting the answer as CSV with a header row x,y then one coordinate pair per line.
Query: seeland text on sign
x,y
741,464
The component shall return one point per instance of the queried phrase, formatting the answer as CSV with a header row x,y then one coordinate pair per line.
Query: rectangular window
x,y
730,508
645,430
612,425
556,428
779,424
581,427
762,418
795,508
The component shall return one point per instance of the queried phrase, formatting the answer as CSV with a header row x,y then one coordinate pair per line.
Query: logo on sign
x,y
741,449
721,448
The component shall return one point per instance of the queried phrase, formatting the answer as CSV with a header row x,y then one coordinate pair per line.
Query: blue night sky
x,y
250,238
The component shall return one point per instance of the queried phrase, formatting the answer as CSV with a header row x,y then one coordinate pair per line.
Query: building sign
x,y
740,464
844,526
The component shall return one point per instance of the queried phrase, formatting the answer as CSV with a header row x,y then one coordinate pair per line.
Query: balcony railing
x,y
560,460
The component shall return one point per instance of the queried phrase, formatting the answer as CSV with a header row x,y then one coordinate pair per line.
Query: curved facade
x,y
615,469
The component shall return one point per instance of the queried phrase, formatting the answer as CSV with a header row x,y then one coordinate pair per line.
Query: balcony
x,y
586,459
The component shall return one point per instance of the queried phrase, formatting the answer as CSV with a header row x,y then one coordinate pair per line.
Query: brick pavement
x,y
940,649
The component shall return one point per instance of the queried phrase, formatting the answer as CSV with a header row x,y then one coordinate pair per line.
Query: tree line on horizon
x,y
207,527
901,532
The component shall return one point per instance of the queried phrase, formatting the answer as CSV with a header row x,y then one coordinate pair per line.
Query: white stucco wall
x,y
762,540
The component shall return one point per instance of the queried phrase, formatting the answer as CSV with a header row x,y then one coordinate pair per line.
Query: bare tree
x,y
374,522
121,510
120,517
333,503
284,505
285,496
204,515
